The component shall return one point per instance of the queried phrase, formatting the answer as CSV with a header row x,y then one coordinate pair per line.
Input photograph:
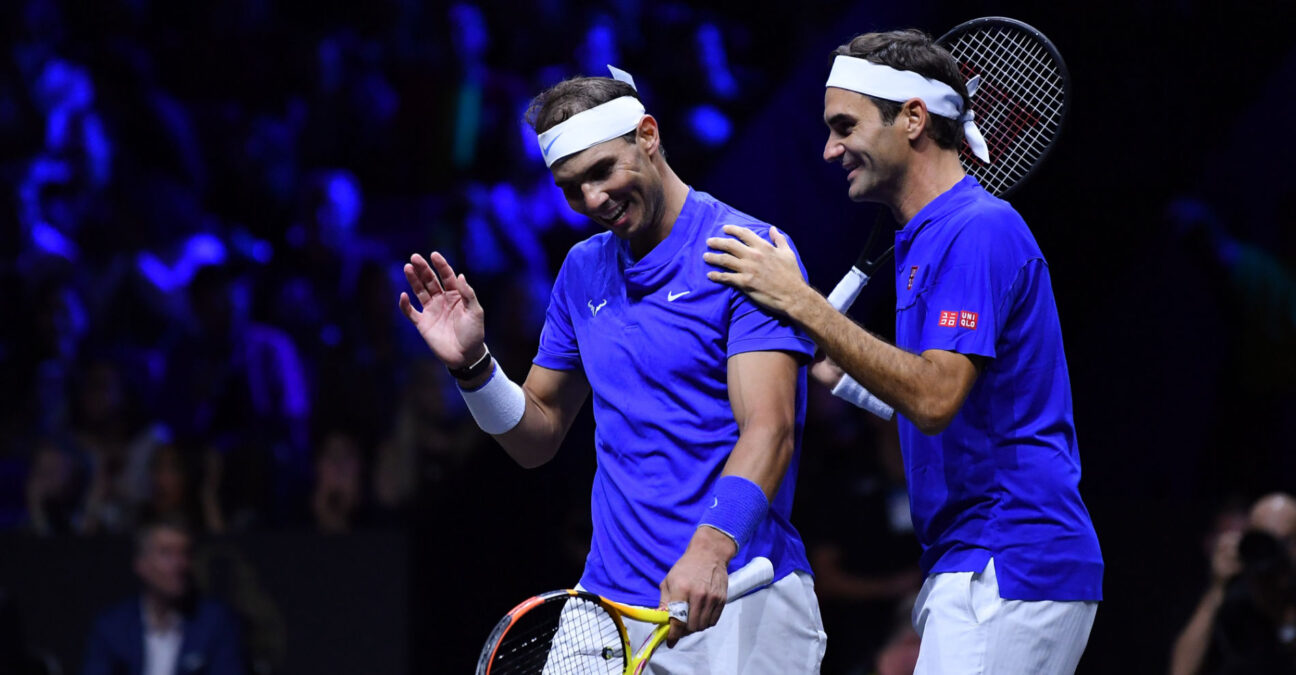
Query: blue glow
x,y
715,61
52,241
710,125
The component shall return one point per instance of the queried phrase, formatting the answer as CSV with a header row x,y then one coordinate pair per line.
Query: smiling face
x,y
873,153
617,185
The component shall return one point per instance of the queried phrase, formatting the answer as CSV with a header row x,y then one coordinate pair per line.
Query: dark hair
x,y
913,50
144,532
578,94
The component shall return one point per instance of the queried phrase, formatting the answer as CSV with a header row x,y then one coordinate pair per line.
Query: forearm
x,y
536,438
548,401
1190,647
911,383
762,455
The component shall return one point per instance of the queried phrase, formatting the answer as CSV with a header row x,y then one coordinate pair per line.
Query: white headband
x,y
887,83
588,128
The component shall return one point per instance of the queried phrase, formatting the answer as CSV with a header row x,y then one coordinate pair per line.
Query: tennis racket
x,y
1020,91
571,632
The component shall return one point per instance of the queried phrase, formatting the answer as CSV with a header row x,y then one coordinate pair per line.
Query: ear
x,y
648,136
913,114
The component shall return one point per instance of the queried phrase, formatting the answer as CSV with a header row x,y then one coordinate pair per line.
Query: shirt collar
x,y
936,207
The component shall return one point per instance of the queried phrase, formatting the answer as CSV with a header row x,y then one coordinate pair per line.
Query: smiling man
x,y
977,373
699,395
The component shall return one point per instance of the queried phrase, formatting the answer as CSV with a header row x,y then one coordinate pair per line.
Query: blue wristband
x,y
737,507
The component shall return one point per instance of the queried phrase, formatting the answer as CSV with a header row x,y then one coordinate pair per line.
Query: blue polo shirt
x,y
1003,479
653,337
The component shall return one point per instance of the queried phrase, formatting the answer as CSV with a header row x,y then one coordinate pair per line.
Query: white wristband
x,y
497,405
849,390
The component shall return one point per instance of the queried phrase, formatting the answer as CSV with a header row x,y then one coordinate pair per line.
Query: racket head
x,y
557,633
1022,102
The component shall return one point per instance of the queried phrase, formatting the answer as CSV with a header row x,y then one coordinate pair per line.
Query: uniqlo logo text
x,y
968,320
948,319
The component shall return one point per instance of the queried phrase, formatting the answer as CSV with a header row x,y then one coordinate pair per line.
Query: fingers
x,y
777,237
726,278
444,273
407,308
677,631
722,260
745,235
469,295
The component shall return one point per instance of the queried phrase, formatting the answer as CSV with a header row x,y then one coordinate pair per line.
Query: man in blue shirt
x,y
699,395
978,371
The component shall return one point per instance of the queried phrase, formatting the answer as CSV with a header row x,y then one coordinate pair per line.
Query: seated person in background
x,y
167,629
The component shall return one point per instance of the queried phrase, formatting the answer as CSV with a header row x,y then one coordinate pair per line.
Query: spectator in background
x,y
1246,620
168,628
53,491
337,497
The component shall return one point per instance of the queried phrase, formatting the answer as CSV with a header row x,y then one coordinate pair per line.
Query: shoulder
x,y
588,254
117,613
213,611
989,225
721,214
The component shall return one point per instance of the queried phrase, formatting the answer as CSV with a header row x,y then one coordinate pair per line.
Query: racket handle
x,y
849,390
759,572
843,296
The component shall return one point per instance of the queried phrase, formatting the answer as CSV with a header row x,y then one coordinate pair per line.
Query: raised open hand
x,y
452,321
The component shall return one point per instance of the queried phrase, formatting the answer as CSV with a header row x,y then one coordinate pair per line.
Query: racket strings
x,y
565,636
1018,106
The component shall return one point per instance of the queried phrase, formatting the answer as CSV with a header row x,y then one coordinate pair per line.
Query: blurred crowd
x,y
210,204
206,210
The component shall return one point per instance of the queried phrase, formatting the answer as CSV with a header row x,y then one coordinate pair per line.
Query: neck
x,y
675,193
160,612
934,172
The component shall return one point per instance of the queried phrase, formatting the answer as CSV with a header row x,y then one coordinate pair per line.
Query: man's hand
x,y
452,321
1225,563
825,371
768,274
701,578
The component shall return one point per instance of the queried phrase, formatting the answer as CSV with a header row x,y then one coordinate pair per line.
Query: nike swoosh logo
x,y
551,143
670,297
715,501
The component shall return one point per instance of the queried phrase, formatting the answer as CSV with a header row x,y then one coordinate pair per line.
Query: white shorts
x,y
774,631
967,629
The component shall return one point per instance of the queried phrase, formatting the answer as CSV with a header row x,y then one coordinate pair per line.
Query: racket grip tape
x,y
853,392
755,574
843,296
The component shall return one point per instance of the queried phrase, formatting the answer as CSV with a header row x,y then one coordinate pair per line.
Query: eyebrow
x,y
600,166
840,119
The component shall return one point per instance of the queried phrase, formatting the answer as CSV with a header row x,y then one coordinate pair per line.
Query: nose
x,y
833,149
593,196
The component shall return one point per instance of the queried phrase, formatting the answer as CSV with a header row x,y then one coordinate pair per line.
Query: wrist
x,y
804,304
715,543
477,363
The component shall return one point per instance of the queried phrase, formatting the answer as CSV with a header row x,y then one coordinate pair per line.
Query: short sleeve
x,y
755,329
558,347
965,302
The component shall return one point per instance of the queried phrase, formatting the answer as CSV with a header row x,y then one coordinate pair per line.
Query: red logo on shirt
x,y
948,319
913,271
968,320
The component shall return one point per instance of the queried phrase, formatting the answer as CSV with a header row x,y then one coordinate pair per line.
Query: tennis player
x,y
977,373
699,395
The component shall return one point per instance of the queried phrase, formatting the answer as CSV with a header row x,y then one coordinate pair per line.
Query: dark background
x,y
240,121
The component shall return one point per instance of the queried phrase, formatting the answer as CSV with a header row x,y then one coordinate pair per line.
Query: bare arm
x,y
762,393
1189,652
452,323
553,397
927,388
